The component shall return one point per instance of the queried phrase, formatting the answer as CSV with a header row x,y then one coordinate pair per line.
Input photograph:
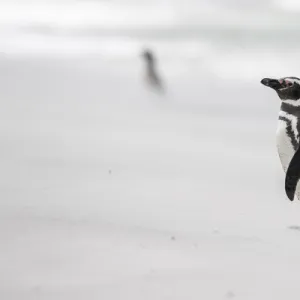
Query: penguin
x,y
152,76
288,130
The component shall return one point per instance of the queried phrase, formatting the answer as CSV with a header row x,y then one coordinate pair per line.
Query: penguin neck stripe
x,y
290,132
293,123
290,109
295,103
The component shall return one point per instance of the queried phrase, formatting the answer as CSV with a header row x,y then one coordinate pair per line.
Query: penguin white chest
x,y
286,138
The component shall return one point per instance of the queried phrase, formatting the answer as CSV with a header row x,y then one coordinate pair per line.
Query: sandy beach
x,y
112,191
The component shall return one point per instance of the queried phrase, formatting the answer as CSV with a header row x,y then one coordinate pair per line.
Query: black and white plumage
x,y
288,130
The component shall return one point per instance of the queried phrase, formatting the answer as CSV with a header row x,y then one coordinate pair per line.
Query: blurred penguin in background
x,y
152,77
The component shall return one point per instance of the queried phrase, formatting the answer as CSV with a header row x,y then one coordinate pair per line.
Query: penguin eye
x,y
288,83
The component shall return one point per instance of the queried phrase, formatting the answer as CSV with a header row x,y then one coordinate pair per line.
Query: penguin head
x,y
148,56
287,88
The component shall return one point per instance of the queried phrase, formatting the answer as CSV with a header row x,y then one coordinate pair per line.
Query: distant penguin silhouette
x,y
152,77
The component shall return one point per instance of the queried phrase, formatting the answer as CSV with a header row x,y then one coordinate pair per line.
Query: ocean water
x,y
231,39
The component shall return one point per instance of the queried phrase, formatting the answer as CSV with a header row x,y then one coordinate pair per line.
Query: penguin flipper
x,y
292,175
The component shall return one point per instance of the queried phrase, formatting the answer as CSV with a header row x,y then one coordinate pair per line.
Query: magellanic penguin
x,y
287,136
152,76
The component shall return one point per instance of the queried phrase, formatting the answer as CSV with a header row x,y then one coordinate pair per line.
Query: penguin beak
x,y
272,83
